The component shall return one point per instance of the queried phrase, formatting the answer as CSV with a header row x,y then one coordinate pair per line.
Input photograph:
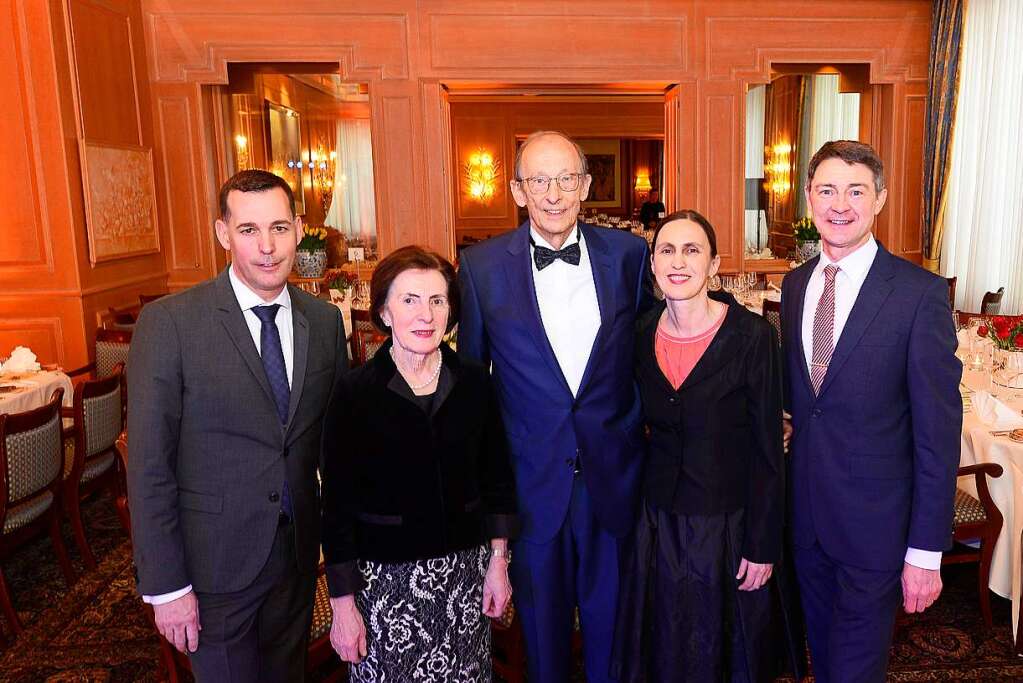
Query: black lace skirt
x,y
681,616
424,620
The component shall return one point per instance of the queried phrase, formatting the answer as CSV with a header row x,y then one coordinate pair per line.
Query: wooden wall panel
x,y
911,165
544,44
722,146
395,191
48,325
103,44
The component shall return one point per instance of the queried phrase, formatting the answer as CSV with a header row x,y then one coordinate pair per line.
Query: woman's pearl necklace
x,y
433,377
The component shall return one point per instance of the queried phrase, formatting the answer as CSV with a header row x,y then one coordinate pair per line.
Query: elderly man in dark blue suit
x,y
552,306
872,386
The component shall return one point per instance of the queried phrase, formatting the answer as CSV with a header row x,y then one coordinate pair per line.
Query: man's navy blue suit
x,y
873,458
567,552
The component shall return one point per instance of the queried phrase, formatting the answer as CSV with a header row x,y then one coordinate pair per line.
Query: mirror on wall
x,y
787,121
313,129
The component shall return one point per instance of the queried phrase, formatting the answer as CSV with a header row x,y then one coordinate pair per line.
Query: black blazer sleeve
x,y
497,485
340,551
765,507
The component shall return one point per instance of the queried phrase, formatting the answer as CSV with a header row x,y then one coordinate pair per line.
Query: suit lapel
x,y
519,272
234,322
600,263
300,336
723,349
802,280
871,298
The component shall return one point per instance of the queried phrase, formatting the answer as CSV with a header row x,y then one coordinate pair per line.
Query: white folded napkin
x,y
21,360
966,337
994,413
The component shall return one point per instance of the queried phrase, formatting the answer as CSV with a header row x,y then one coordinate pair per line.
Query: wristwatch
x,y
503,553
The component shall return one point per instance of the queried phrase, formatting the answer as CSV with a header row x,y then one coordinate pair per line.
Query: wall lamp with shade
x,y
481,173
643,183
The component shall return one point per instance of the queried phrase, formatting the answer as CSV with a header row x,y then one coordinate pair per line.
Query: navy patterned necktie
x,y
544,257
272,355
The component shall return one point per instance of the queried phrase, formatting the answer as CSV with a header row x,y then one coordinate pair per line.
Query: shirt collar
x,y
247,299
856,264
576,236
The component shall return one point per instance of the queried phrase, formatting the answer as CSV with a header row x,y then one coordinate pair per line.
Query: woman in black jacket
x,y
418,494
694,605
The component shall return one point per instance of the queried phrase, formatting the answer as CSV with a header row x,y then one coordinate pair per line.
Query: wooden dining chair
x,y
951,291
365,344
149,298
90,464
772,312
977,518
991,304
31,458
112,347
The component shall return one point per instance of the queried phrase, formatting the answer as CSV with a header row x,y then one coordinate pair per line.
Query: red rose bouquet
x,y
1006,331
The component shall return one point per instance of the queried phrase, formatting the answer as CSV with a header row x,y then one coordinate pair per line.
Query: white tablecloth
x,y
980,446
33,389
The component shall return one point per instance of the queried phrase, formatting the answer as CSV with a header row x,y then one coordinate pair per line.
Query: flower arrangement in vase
x,y
808,240
1006,332
311,257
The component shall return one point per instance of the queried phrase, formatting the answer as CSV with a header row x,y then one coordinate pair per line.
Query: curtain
x,y
942,88
756,221
831,115
983,217
353,206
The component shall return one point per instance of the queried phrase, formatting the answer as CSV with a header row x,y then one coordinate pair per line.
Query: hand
x,y
756,574
178,622
347,631
786,431
497,589
920,587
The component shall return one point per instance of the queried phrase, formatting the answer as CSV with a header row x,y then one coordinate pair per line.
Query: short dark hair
x,y
412,257
253,180
851,152
532,137
688,215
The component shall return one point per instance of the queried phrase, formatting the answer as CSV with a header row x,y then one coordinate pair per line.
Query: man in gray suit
x,y
228,383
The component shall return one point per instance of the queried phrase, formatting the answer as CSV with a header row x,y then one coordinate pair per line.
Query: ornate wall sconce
x,y
321,166
643,183
241,146
779,169
481,173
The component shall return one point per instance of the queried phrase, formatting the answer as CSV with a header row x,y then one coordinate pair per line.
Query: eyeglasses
x,y
540,184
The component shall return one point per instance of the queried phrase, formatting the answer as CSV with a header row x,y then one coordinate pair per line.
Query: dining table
x,y
982,443
23,391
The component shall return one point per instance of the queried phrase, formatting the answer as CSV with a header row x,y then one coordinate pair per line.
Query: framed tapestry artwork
x,y
285,135
120,200
603,156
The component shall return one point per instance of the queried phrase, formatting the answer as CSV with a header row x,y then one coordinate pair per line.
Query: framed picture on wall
x,y
603,156
120,200
284,132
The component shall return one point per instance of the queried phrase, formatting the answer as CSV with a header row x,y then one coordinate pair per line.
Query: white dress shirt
x,y
247,300
567,298
852,272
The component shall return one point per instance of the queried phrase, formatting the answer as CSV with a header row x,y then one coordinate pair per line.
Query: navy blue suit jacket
x,y
874,456
548,427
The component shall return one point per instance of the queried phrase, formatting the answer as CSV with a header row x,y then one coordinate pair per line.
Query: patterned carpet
x,y
97,631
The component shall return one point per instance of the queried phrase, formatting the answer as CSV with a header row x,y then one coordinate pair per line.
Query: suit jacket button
x,y
274,497
569,461
816,412
672,400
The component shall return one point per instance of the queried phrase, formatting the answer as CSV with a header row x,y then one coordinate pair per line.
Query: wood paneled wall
x,y
74,71
113,69
494,125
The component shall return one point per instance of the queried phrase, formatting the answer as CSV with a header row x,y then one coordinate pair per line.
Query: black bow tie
x,y
544,257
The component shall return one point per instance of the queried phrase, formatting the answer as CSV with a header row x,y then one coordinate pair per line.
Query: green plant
x,y
805,231
313,238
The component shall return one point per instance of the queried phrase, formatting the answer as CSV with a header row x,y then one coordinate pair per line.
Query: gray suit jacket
x,y
207,453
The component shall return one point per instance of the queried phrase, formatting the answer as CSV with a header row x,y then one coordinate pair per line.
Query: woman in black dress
x,y
418,494
695,603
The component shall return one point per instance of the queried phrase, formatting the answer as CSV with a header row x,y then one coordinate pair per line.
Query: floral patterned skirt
x,y
424,620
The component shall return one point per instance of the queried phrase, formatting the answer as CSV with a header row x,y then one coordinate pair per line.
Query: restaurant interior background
x,y
658,87
397,122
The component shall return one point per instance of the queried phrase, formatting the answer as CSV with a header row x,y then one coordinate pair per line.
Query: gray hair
x,y
544,133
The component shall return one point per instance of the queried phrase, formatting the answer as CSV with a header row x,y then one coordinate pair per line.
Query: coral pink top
x,y
677,356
